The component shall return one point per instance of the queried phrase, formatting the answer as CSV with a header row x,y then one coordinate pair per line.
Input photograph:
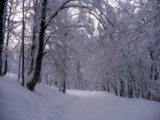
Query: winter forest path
x,y
103,106
46,103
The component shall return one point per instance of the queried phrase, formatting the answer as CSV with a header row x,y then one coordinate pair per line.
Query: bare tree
x,y
3,6
23,34
39,55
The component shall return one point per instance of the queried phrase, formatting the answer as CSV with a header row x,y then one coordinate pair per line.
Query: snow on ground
x,y
46,103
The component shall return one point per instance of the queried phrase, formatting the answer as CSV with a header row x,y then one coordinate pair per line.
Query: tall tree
x,y
39,55
11,25
3,6
23,35
34,37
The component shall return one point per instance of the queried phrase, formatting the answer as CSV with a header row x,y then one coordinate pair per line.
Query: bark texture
x,y
39,56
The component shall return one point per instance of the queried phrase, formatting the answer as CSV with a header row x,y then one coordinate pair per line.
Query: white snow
x,y
46,103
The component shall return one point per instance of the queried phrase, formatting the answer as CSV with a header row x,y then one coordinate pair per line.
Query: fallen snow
x,y
46,103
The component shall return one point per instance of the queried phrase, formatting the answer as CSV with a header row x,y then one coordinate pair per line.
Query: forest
x,y
101,45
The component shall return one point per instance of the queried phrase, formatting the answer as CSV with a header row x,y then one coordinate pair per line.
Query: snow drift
x,y
46,103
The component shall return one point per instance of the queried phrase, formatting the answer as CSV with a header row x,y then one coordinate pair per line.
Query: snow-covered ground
x,y
46,103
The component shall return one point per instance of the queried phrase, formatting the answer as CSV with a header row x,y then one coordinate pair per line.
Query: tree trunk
x,y
122,88
23,34
39,56
2,22
19,65
64,71
6,55
33,47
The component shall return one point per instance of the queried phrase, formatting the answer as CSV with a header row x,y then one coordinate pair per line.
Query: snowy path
x,y
46,103
112,108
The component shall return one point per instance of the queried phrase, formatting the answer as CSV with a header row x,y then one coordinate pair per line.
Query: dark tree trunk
x,y
115,88
33,47
151,73
19,65
108,85
2,18
64,84
65,68
122,88
23,34
64,74
39,56
154,74
6,55
8,30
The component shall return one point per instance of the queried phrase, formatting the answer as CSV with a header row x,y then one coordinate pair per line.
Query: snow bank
x,y
46,103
